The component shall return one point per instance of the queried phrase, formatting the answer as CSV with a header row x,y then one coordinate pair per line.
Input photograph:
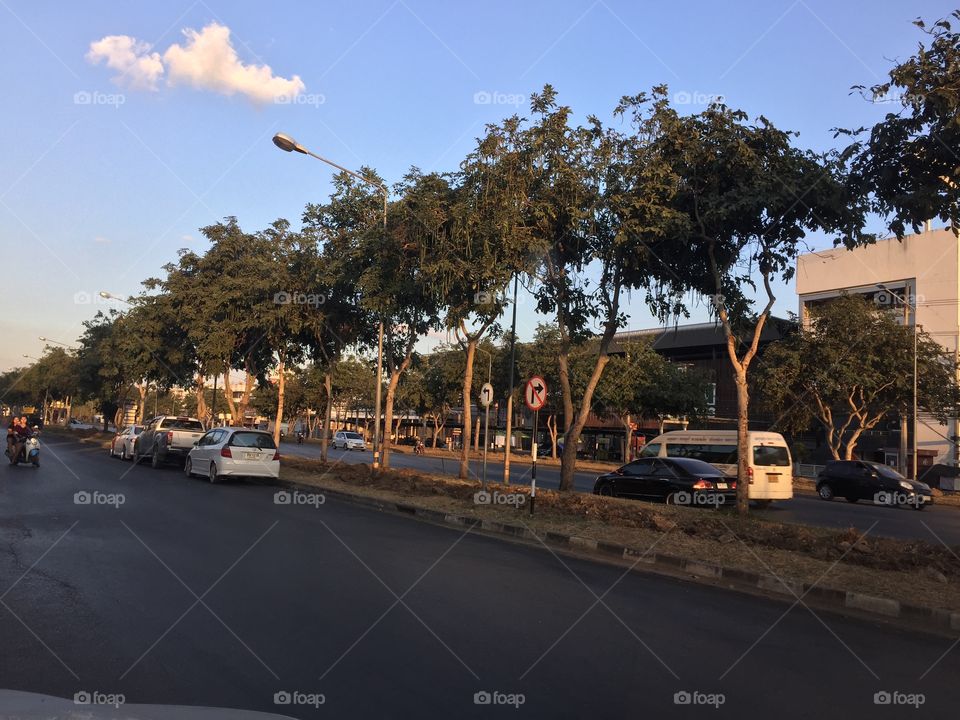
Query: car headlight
x,y
905,485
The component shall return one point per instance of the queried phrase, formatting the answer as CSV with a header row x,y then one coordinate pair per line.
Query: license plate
x,y
722,486
251,456
773,478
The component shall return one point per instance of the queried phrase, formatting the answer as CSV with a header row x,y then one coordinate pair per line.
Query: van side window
x,y
652,450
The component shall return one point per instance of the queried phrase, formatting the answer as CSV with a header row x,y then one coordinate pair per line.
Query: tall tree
x,y
909,163
471,242
595,197
747,198
820,376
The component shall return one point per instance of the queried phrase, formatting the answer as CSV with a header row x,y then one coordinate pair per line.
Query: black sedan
x,y
680,481
863,480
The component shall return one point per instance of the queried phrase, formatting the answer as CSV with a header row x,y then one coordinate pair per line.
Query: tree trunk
x,y
436,430
247,387
471,349
201,399
568,462
281,386
554,433
141,408
627,440
325,437
228,395
386,442
743,441
507,439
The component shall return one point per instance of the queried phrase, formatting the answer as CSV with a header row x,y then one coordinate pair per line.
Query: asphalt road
x,y
193,594
935,524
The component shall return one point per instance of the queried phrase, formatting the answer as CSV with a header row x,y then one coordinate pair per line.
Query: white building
x,y
924,271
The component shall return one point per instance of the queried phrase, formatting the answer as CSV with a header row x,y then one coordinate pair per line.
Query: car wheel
x,y
825,491
188,468
214,478
852,499
919,505
155,458
606,490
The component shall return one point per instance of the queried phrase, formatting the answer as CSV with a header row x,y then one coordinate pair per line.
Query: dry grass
x,y
908,571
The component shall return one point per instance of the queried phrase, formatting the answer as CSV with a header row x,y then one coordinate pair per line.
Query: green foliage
x,y
909,164
851,368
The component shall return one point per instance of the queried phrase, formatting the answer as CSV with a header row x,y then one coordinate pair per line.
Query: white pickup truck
x,y
167,437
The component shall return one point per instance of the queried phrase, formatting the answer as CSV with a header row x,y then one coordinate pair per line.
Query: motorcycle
x,y
29,451
299,437
419,448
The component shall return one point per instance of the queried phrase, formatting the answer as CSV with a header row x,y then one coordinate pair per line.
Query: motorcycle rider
x,y
21,433
12,434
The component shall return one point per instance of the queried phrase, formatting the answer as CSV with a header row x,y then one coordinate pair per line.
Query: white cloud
x,y
209,61
100,240
206,61
139,68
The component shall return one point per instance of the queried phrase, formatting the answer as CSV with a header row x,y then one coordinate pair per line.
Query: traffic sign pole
x,y
486,397
486,445
533,468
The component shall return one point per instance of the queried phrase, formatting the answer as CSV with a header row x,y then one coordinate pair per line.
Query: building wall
x,y
927,267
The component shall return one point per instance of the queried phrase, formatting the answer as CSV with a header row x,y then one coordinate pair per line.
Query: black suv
x,y
863,480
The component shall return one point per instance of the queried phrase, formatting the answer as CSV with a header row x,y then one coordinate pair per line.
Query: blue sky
x,y
103,180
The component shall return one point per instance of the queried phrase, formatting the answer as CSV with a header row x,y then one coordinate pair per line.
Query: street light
x,y
110,296
907,307
55,342
288,144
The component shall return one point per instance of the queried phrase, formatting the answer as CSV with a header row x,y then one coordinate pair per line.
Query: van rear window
x,y
770,455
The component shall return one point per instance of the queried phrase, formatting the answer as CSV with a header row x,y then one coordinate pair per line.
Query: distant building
x,y
919,277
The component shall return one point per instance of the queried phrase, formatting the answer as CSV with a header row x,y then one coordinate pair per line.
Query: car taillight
x,y
702,484
276,456
733,485
225,452
750,474
170,437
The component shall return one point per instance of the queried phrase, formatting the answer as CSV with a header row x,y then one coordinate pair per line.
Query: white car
x,y
74,424
122,445
234,452
349,441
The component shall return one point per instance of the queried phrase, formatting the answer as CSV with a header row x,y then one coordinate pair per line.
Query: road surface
x,y
182,592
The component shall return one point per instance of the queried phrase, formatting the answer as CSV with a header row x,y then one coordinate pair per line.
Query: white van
x,y
771,468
